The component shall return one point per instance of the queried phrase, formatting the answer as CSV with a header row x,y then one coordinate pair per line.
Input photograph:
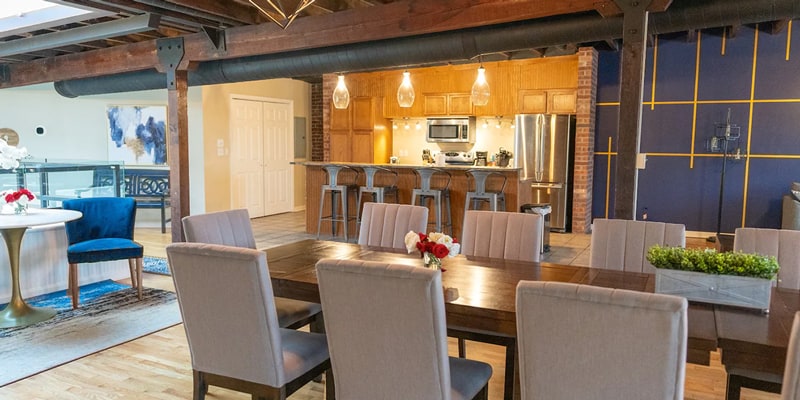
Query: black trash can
x,y
544,210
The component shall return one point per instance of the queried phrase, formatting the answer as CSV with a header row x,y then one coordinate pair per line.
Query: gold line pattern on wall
x,y
749,127
655,70
788,39
694,100
724,41
608,175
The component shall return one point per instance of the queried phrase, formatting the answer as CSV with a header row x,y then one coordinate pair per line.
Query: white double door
x,y
261,143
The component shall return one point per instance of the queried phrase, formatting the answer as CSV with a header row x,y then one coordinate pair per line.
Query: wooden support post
x,y
170,54
634,24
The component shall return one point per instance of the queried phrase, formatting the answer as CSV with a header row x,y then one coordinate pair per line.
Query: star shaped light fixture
x,y
281,12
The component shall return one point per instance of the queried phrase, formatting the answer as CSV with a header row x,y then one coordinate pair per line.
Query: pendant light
x,y
480,89
405,93
341,97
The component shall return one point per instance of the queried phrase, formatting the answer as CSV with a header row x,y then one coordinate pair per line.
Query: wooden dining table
x,y
486,304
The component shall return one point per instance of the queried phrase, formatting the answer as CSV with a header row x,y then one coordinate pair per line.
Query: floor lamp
x,y
725,141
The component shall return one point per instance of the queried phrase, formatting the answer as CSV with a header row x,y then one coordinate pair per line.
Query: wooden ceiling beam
x,y
135,8
228,9
393,20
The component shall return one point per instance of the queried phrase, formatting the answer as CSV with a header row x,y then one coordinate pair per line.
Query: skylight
x,y
26,15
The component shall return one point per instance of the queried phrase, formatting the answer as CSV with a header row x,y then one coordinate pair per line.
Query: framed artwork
x,y
137,135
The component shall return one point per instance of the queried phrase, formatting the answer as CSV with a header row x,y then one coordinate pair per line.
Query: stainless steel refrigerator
x,y
543,150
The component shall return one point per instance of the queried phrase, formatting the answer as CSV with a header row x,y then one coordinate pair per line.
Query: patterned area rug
x,y
108,320
155,265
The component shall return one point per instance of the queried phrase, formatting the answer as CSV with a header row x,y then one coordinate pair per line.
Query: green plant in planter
x,y
709,261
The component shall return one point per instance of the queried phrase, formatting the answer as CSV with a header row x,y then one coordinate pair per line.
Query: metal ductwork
x,y
444,47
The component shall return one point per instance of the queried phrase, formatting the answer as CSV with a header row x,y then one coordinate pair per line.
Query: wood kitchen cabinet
x,y
553,101
359,133
446,104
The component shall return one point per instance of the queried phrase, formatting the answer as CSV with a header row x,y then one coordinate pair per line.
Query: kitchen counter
x,y
517,193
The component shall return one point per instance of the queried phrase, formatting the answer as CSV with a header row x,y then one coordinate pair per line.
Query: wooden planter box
x,y
730,290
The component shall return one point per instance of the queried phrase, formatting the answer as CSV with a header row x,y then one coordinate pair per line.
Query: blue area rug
x,y
61,301
156,265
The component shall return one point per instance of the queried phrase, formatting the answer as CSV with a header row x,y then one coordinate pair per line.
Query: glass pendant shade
x,y
405,93
341,97
480,89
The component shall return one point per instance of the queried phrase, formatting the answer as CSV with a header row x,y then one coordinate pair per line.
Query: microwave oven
x,y
451,130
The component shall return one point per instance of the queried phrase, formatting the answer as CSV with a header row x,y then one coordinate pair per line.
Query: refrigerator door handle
x,y
547,185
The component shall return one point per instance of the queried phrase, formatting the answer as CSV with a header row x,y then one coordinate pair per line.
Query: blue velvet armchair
x,y
104,233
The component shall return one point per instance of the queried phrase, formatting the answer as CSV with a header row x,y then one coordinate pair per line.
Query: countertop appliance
x,y
451,130
481,157
459,158
543,150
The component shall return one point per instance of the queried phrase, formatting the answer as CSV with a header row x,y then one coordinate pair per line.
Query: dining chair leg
x,y
462,348
330,386
199,385
139,268
734,388
483,394
132,267
73,284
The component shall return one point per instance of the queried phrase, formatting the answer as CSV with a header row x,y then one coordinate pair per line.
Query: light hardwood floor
x,y
157,366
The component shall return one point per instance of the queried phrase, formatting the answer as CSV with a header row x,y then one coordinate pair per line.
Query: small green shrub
x,y
710,262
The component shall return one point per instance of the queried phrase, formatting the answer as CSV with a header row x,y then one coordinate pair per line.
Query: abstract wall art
x,y
137,134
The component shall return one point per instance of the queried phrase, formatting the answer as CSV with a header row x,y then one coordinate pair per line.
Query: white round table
x,y
12,227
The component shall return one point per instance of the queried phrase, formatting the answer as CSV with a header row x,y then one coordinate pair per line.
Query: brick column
x,y
328,84
584,140
317,136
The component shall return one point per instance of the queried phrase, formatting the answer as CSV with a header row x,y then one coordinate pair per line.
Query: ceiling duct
x,y
458,46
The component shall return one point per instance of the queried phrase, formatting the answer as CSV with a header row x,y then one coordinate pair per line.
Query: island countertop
x,y
506,178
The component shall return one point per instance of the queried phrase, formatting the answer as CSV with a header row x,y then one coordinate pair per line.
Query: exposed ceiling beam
x,y
120,27
393,20
228,9
135,8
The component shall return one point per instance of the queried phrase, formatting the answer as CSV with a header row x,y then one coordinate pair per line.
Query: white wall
x,y
77,129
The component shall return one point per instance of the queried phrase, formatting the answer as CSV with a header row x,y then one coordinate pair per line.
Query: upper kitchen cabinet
x,y
359,133
446,104
556,101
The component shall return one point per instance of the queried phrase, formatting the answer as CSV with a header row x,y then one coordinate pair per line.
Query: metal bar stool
x,y
377,193
339,193
438,195
496,199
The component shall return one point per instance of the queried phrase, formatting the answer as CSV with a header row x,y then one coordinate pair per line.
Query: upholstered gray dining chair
x,y
784,244
497,234
232,228
791,371
587,342
622,245
235,341
387,337
386,225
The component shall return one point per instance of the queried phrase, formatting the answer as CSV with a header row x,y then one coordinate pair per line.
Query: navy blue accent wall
x,y
681,182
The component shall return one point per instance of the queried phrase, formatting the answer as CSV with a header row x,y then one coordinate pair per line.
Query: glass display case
x,y
53,181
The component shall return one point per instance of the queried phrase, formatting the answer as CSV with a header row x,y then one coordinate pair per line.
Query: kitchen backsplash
x,y
408,138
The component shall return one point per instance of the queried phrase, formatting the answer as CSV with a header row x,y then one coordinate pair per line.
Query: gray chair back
x,y
586,342
386,330
229,228
386,225
791,373
782,243
512,236
622,245
226,301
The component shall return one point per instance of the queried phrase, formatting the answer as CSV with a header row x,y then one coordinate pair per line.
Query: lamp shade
x,y
341,97
405,93
480,89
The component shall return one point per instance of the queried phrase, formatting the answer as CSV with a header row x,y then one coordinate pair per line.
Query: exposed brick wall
x,y
328,84
317,123
584,140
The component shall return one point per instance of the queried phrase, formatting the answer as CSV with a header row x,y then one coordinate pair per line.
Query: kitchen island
x,y
517,193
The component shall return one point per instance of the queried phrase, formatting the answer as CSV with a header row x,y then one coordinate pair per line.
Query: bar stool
x,y
496,199
439,195
339,193
377,193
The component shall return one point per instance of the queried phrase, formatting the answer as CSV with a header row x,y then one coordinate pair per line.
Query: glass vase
x,y
431,261
20,209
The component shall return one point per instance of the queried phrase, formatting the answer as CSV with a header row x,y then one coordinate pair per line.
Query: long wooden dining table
x,y
486,305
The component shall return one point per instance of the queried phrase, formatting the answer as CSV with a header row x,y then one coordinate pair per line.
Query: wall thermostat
x,y
40,130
